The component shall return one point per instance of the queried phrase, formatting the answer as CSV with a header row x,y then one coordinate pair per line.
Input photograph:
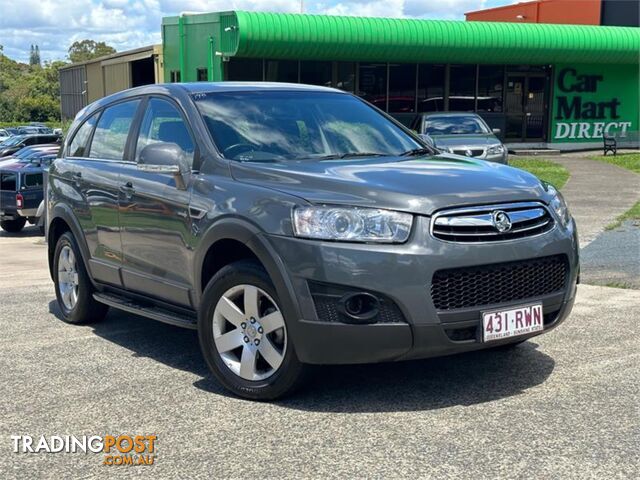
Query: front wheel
x,y
244,336
13,226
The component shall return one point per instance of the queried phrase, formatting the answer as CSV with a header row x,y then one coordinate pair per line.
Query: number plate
x,y
499,324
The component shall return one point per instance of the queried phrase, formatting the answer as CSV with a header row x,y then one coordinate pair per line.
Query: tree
x,y
34,56
83,50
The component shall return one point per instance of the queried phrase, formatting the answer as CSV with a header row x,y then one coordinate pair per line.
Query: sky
x,y
124,24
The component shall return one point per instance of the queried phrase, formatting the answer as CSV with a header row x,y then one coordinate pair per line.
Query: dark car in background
x,y
18,142
461,133
294,225
21,193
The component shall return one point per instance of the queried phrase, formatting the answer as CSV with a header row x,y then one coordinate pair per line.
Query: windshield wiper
x,y
415,151
362,154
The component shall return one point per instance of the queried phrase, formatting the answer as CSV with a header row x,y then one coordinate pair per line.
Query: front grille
x,y
478,224
469,152
326,299
498,283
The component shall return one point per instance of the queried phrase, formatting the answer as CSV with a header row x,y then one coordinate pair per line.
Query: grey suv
x,y
295,225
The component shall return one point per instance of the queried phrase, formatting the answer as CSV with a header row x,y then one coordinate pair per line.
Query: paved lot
x,y
562,406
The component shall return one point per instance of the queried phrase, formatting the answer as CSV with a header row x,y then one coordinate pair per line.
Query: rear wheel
x,y
13,226
74,290
243,334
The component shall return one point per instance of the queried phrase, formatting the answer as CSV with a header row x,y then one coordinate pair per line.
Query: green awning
x,y
323,37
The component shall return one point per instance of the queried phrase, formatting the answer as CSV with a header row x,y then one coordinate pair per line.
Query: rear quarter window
x,y
8,182
32,180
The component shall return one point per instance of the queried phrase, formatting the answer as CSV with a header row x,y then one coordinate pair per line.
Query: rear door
x,y
154,212
31,188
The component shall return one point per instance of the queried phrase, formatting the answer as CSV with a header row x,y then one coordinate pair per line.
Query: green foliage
x,y
83,50
29,93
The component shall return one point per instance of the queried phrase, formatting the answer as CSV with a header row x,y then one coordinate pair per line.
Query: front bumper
x,y
403,273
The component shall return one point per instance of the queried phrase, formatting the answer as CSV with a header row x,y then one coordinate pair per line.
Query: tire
x,y
239,360
74,290
13,226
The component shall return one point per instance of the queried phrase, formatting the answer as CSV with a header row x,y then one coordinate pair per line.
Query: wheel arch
x,y
253,243
61,220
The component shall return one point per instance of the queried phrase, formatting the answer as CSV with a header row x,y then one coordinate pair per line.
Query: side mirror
x,y
162,157
427,139
496,131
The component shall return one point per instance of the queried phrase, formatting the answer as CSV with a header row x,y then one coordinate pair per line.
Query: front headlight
x,y
351,224
495,150
559,206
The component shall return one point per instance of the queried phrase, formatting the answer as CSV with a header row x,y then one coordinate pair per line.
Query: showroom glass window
x,y
402,88
316,73
281,71
373,83
431,88
346,76
462,88
244,69
490,88
112,130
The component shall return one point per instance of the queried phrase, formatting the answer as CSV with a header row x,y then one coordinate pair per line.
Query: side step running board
x,y
153,312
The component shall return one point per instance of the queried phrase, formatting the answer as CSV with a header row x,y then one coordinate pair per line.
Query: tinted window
x,y
454,125
267,126
33,180
8,181
244,69
462,88
281,71
202,74
431,88
79,144
346,76
112,130
316,73
490,87
402,88
162,122
373,83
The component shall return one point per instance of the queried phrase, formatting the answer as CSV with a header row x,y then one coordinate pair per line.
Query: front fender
x,y
254,239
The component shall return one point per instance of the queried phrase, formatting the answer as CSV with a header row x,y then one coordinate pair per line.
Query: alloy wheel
x,y
249,332
68,277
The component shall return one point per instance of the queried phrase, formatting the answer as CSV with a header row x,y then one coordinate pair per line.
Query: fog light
x,y
360,307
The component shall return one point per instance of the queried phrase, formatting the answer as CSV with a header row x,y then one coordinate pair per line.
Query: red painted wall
x,y
576,12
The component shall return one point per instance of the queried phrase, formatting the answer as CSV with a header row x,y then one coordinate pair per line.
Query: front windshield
x,y
277,125
455,125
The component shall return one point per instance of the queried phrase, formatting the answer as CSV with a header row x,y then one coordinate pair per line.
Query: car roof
x,y
183,89
451,114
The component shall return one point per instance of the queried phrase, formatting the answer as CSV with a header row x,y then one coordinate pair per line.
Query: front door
x,y
526,107
154,213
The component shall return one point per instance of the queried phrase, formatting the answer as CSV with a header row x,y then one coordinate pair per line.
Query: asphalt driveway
x,y
562,406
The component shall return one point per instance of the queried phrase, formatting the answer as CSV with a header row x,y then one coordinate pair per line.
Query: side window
x,y
79,144
162,122
29,141
33,180
8,182
112,130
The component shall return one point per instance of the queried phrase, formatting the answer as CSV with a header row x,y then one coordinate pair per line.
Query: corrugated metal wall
x,y
117,77
95,85
323,37
73,95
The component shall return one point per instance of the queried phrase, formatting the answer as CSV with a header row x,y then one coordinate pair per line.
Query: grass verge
x,y
630,161
632,214
545,170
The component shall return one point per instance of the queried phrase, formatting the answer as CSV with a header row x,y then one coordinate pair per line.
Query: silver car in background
x,y
461,133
